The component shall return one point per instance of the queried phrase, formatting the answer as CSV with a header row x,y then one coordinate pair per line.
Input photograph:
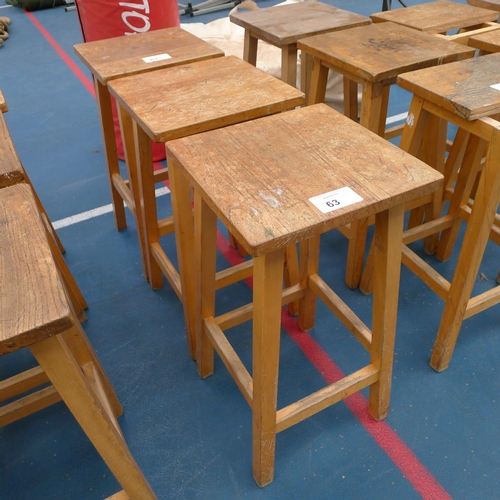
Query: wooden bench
x,y
12,172
270,198
37,314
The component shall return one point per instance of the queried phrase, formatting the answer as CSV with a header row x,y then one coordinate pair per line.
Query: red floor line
x,y
87,83
413,470
419,477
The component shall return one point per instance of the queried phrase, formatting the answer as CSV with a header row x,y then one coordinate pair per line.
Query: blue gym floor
x,y
192,437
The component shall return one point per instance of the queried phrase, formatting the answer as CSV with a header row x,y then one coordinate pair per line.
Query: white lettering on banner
x,y
145,19
144,23
144,6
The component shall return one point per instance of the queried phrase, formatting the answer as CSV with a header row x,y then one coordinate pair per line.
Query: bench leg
x,y
66,375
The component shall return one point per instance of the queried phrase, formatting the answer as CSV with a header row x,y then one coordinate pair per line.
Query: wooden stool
x,y
176,102
12,172
392,50
36,314
115,58
459,93
284,25
486,43
441,17
270,197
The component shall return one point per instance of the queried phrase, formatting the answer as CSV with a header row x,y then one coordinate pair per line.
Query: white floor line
x,y
396,118
96,212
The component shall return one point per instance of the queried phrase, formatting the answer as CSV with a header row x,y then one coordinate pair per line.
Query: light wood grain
x,y
486,42
202,96
379,52
486,4
36,314
437,17
123,56
258,178
33,302
286,24
463,87
260,175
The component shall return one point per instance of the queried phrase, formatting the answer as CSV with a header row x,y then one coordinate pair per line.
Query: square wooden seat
x,y
123,56
177,102
464,94
37,314
271,197
442,18
372,56
486,43
284,25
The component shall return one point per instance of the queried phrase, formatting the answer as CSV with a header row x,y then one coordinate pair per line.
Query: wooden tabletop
x,y
379,52
285,24
486,4
32,298
133,54
464,87
489,42
259,176
437,17
184,100
11,170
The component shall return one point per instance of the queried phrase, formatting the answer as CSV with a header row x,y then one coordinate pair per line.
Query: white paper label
x,y
159,57
334,200
496,86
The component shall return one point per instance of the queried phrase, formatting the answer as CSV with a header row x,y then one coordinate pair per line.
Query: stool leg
x,y
289,64
471,253
309,265
108,134
292,275
268,279
466,179
250,48
351,106
127,131
306,62
146,186
411,141
373,112
374,107
182,211
319,77
205,247
386,277
61,368
84,354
